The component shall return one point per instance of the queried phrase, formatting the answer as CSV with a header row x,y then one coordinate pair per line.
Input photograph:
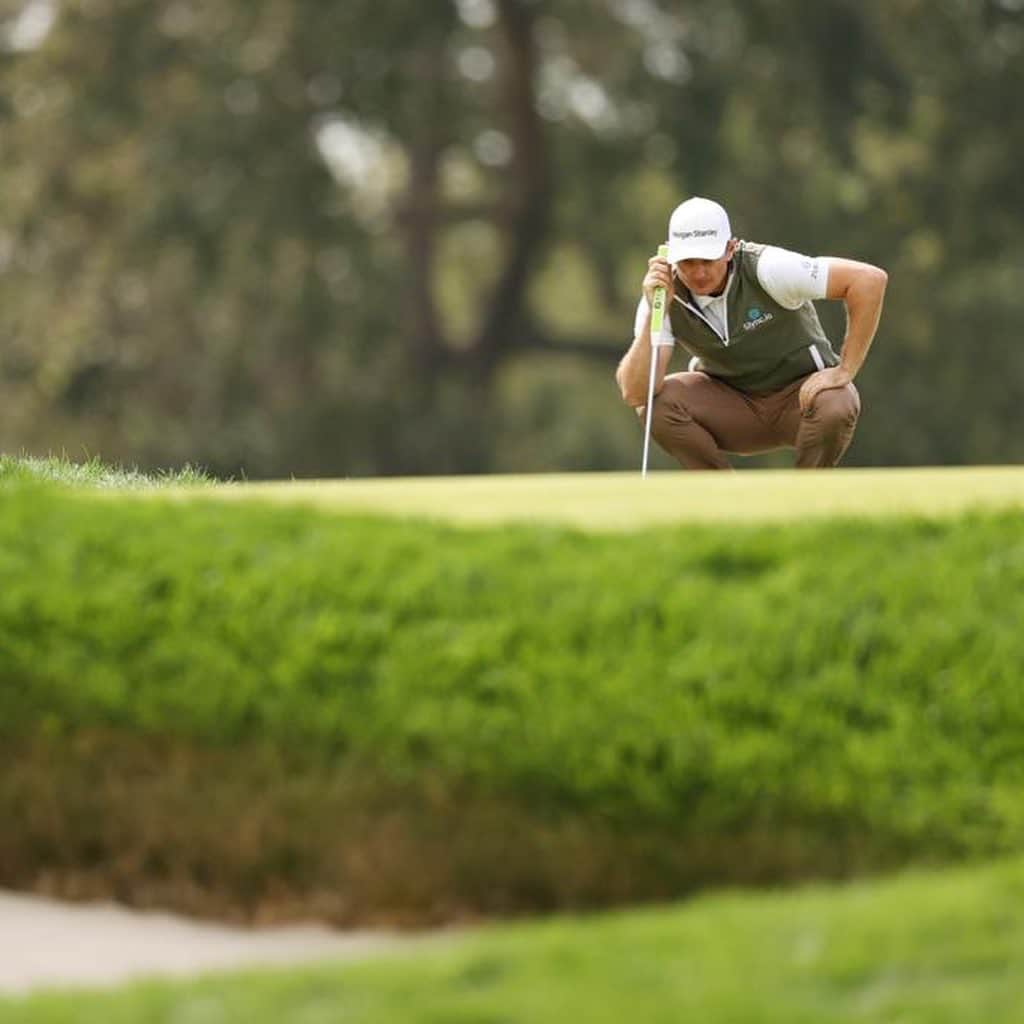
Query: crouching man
x,y
762,374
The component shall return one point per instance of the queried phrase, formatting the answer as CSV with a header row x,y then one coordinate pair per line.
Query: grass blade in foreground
x,y
93,474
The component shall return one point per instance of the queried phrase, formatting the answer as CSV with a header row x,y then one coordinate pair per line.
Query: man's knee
x,y
837,408
670,409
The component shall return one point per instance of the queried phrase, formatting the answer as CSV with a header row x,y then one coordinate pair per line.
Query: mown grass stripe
x,y
623,502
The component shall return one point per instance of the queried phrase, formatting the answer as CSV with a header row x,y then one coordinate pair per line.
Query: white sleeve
x,y
791,278
666,337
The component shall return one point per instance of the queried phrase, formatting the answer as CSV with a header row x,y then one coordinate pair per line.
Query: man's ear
x,y
730,248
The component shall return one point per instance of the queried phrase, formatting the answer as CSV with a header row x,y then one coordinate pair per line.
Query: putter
x,y
657,319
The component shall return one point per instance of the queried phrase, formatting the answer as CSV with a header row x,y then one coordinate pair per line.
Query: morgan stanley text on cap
x,y
698,230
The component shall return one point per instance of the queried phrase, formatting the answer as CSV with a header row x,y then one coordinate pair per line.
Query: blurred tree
x,y
278,237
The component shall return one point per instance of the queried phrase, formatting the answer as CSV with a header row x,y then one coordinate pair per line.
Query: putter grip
x,y
658,309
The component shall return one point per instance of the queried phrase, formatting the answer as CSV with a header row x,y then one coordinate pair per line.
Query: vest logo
x,y
756,317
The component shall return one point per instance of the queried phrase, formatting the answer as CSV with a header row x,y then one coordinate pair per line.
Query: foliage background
x,y
278,237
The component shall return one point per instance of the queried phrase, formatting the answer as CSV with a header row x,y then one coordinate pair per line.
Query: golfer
x,y
762,374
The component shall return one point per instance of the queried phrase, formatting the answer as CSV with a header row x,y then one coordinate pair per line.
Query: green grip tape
x,y
658,309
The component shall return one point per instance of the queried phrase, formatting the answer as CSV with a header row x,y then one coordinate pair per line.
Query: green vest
x,y
768,346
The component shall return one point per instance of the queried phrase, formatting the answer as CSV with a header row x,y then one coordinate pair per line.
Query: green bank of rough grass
x,y
429,720
940,948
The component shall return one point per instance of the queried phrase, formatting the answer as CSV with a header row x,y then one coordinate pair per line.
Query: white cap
x,y
698,229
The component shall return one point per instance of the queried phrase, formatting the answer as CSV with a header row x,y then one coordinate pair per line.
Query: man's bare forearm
x,y
635,367
634,372
863,311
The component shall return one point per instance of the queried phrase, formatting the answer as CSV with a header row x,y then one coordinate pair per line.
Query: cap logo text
x,y
696,233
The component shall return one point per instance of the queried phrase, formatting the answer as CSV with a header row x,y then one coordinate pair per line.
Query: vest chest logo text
x,y
756,317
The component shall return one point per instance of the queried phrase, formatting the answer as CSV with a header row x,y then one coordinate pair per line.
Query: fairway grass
x,y
622,501
924,948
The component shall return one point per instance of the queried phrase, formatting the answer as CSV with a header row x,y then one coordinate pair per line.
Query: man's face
x,y
705,277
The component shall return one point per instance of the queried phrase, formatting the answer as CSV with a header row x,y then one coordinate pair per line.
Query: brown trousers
x,y
697,419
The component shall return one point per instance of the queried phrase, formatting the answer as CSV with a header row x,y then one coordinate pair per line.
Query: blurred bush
x,y
519,708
